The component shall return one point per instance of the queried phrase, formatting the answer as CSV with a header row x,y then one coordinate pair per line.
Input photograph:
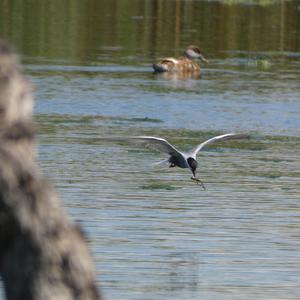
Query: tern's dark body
x,y
176,161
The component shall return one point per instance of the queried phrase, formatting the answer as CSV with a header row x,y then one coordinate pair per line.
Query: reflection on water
x,y
154,233
138,31
178,76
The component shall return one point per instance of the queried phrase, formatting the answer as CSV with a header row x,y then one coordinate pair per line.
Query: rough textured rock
x,y
43,255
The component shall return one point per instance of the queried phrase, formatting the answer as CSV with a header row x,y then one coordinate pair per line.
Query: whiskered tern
x,y
177,158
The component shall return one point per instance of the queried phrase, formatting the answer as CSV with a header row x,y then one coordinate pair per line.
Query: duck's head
x,y
194,52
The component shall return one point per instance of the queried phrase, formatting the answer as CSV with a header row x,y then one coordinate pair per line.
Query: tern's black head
x,y
192,164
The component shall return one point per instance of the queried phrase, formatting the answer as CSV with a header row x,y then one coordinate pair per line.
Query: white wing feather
x,y
223,137
152,142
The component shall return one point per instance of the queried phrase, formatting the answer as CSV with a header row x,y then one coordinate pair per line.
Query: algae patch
x,y
158,186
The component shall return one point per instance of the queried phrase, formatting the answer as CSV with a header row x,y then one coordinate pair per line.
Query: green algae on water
x,y
158,186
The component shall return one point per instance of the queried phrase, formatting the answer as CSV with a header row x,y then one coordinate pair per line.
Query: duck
x,y
185,63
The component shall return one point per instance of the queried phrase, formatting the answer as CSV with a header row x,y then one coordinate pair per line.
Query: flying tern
x,y
178,158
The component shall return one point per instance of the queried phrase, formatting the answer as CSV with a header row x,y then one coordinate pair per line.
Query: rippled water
x,y
154,233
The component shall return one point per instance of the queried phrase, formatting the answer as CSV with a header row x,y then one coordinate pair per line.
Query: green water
x,y
154,233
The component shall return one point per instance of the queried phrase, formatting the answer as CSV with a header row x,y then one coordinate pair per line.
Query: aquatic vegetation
x,y
159,186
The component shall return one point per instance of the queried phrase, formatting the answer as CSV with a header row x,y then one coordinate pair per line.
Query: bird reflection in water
x,y
175,76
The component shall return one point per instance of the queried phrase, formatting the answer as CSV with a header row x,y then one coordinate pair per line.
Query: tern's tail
x,y
162,163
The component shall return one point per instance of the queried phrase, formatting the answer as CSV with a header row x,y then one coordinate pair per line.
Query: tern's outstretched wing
x,y
155,143
152,142
223,137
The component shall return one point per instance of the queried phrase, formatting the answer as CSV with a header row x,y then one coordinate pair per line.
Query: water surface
x,y
154,233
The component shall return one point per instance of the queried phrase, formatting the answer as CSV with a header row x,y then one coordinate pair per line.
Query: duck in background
x,y
185,63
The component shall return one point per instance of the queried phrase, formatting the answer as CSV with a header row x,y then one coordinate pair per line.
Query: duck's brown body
x,y
181,64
